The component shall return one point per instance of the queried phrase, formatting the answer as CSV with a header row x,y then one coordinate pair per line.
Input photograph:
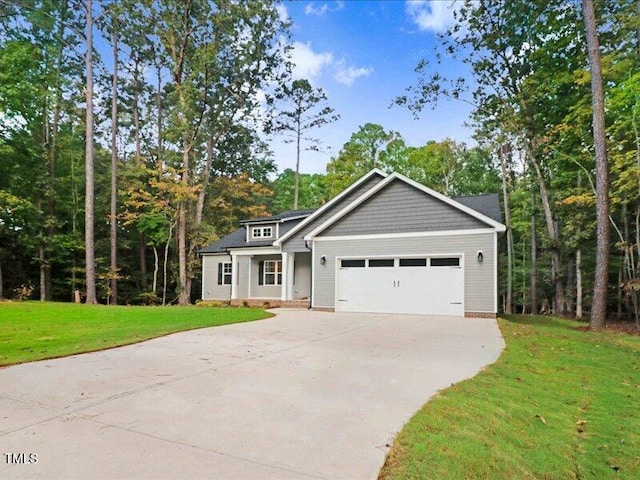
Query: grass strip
x,y
39,330
559,403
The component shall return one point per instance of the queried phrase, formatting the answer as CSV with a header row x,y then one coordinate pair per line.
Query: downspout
x,y
306,245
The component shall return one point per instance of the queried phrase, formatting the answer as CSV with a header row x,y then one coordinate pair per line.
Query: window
x,y
445,262
224,273
384,262
272,272
413,262
261,232
351,263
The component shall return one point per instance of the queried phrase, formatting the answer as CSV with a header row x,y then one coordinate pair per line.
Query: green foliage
x,y
313,191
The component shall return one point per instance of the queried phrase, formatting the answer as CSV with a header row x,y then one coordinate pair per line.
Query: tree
x,y
370,147
89,173
313,191
599,303
305,110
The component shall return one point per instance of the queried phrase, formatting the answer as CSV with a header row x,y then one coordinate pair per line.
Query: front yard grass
x,y
38,330
559,403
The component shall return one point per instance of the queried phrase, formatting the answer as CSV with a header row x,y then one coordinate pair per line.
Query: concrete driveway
x,y
302,395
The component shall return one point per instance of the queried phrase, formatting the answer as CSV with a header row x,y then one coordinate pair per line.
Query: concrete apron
x,y
302,395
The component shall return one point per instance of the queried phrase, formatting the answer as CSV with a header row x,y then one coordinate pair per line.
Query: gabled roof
x,y
496,225
328,205
281,217
238,238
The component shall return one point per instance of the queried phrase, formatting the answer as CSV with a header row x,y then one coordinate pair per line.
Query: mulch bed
x,y
614,327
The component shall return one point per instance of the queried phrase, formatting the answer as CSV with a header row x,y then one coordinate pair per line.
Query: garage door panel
x,y
432,290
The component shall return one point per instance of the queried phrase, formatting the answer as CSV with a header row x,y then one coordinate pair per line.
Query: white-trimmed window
x,y
261,232
272,272
224,273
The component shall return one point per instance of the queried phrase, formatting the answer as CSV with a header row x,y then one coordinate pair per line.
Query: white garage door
x,y
417,285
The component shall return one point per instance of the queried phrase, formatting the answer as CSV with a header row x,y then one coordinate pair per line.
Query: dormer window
x,y
261,232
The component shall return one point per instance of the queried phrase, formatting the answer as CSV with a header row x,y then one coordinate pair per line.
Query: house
x,y
386,244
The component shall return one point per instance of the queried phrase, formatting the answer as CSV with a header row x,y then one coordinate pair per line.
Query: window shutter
x,y
219,273
260,272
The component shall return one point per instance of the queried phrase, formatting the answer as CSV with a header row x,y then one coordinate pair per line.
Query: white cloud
x,y
307,63
348,75
312,9
283,13
434,16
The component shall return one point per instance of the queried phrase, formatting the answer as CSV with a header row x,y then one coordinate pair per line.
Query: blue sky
x,y
363,54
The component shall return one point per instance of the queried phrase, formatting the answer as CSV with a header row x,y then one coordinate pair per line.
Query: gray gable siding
x,y
401,208
296,243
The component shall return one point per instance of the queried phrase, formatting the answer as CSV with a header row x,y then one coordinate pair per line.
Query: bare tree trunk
x,y
113,237
579,313
155,270
166,261
297,179
620,283
89,189
570,286
507,218
183,294
599,306
533,273
554,235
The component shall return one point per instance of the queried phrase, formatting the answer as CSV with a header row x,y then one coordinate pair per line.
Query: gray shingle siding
x,y
401,208
296,243
479,278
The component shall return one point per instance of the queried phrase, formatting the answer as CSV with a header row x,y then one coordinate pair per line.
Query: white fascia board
x,y
496,226
439,233
242,252
329,204
214,254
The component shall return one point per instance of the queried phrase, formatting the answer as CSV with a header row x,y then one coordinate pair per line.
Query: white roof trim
x,y
497,226
328,205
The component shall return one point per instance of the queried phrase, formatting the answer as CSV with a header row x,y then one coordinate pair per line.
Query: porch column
x,y
234,277
288,263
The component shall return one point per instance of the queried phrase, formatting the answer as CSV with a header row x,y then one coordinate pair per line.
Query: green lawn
x,y
38,330
558,404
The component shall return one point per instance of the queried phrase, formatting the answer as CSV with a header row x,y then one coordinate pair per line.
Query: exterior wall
x,y
296,243
479,278
272,238
210,288
260,291
242,277
302,276
401,208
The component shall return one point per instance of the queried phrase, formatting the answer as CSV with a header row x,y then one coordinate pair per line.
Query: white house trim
x,y
372,236
328,205
495,272
497,226
235,266
241,252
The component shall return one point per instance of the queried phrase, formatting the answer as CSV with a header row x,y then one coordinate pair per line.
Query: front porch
x,y
262,276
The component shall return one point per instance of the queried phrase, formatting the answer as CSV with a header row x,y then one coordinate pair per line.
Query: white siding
x,y
479,278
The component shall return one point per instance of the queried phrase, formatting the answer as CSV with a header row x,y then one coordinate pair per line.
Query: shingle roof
x,y
238,239
281,216
488,205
